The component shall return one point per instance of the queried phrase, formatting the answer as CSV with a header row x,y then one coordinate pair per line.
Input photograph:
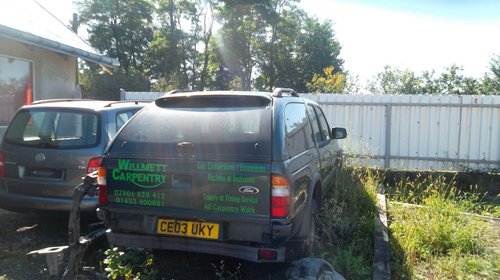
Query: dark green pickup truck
x,y
238,174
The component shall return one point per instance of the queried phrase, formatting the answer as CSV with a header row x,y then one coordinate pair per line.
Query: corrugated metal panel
x,y
418,131
140,95
436,132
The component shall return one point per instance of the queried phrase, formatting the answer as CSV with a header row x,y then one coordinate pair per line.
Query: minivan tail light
x,y
93,164
2,165
101,182
280,200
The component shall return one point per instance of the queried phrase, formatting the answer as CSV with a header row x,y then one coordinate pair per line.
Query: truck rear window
x,y
200,127
52,128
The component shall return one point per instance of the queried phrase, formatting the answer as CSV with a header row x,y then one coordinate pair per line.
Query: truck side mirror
x,y
339,133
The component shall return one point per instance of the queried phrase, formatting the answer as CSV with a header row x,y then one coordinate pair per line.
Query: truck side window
x,y
298,129
323,123
314,122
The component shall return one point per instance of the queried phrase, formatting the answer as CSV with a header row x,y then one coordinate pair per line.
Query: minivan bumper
x,y
249,253
18,203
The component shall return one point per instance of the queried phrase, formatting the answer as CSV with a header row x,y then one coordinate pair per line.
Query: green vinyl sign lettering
x,y
143,175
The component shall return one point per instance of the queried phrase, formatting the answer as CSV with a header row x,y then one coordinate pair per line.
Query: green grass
x,y
347,222
440,239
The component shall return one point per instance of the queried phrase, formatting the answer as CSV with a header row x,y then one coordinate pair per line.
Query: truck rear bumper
x,y
249,253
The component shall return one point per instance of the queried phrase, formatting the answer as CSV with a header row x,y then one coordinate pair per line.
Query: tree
x,y
119,28
329,83
450,81
317,49
353,84
495,65
243,22
275,63
297,48
491,81
396,81
98,84
261,44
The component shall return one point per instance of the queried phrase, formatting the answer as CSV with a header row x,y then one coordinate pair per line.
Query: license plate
x,y
188,229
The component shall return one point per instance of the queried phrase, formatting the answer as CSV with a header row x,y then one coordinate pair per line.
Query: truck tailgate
x,y
241,188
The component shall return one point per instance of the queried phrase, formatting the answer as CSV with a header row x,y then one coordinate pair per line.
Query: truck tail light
x,y
93,164
268,254
280,200
101,182
2,165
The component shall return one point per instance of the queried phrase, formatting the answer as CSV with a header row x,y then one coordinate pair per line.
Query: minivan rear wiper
x,y
47,145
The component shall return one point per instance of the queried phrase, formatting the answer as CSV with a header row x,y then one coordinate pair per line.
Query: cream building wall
x,y
54,74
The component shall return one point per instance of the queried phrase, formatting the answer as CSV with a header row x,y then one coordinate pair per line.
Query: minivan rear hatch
x,y
46,150
196,155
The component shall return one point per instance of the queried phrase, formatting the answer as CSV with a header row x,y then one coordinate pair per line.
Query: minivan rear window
x,y
201,131
54,129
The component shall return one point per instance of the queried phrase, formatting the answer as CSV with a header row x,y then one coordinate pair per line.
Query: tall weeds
x,y
347,221
433,236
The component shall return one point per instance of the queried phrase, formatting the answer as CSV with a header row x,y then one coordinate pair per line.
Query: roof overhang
x,y
29,22
38,41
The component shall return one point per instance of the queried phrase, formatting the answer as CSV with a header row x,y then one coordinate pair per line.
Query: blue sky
x,y
413,34
452,9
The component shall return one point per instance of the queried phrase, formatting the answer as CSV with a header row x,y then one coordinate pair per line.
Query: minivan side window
x,y
323,123
298,129
122,117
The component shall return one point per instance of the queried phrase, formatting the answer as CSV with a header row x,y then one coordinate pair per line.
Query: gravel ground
x,y
21,233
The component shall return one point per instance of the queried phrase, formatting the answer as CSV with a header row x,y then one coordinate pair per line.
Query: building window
x,y
16,86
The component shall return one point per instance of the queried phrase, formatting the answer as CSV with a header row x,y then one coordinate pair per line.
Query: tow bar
x,y
77,244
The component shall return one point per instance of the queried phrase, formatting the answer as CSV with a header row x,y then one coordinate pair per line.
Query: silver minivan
x,y
50,145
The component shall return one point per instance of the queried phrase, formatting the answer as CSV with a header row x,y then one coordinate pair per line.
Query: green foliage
x,y
329,83
98,84
495,66
119,28
222,273
261,44
258,45
346,222
417,190
129,264
451,81
435,239
317,49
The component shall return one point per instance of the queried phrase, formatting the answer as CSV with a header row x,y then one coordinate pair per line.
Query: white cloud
x,y
373,37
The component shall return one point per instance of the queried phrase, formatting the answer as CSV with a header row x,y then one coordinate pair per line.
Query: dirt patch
x,y
21,233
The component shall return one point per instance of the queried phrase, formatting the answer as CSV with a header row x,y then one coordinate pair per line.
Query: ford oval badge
x,y
248,190
40,157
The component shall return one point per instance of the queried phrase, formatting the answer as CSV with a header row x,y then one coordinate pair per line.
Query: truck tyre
x,y
311,240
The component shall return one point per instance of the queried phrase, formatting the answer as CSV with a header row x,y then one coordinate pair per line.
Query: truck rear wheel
x,y
309,245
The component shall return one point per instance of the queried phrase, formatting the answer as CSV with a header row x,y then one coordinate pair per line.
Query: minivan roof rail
x,y
126,101
75,99
280,92
58,100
